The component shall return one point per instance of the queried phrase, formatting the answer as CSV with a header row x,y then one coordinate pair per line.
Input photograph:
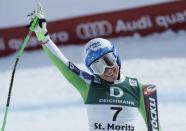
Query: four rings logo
x,y
93,29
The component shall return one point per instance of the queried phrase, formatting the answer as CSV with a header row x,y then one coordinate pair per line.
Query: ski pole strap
x,y
151,107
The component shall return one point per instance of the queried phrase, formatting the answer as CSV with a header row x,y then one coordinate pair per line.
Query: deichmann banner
x,y
143,20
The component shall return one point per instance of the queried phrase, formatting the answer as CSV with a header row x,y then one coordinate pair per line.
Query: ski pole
x,y
20,53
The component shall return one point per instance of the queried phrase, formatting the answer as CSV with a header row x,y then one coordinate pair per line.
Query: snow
x,y
13,13
42,99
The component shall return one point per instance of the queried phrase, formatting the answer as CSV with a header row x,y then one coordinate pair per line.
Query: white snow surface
x,y
13,13
43,100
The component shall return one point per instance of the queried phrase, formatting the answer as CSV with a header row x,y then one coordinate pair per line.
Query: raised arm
x,y
78,78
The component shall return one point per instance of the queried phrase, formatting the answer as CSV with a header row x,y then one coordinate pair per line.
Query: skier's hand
x,y
38,24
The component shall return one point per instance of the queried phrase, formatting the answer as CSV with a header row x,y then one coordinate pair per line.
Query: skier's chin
x,y
111,78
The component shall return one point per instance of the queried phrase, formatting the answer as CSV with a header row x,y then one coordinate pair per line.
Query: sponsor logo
x,y
153,114
15,44
116,92
117,101
60,36
167,20
71,66
144,22
149,89
133,82
113,127
74,68
94,29
94,46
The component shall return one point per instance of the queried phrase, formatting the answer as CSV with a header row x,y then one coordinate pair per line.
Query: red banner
x,y
144,21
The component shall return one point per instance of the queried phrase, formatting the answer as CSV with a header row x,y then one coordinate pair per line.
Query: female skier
x,y
113,101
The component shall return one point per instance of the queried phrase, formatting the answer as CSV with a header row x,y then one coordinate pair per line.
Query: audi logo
x,y
93,29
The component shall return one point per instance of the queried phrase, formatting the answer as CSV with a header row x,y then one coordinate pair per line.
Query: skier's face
x,y
111,74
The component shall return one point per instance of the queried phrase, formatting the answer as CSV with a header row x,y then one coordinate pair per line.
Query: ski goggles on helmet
x,y
107,61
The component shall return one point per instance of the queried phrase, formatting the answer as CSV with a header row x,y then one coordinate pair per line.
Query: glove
x,y
38,24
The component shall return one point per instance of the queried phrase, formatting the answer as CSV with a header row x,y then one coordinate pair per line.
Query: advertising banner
x,y
144,21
